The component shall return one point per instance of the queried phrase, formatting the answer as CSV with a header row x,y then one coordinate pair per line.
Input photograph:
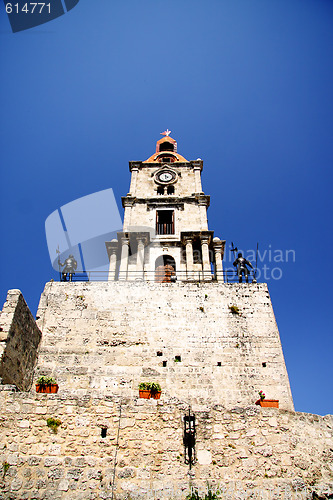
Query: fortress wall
x,y
247,452
19,341
106,336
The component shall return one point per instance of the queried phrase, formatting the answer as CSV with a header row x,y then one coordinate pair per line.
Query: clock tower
x,y
165,235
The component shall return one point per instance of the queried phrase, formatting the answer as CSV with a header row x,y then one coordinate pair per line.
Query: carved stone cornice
x,y
158,164
166,202
202,199
128,201
219,246
202,235
131,236
134,165
197,164
111,247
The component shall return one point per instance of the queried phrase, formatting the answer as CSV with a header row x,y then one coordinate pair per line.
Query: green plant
x,y
155,387
234,309
194,495
150,386
5,467
262,395
144,386
206,296
53,423
43,381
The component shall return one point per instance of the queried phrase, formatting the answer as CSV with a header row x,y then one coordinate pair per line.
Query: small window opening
x,y
166,146
160,190
219,363
164,363
104,431
178,358
171,190
264,364
167,158
159,353
165,222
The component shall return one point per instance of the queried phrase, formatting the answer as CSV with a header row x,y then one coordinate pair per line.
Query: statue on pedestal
x,y
70,266
241,264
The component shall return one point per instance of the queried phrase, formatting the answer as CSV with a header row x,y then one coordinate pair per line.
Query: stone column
x,y
197,178
218,259
203,213
189,258
140,258
134,179
113,264
128,203
124,259
207,273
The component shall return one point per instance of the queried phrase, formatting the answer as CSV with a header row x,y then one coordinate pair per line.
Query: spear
x,y
255,272
233,250
58,252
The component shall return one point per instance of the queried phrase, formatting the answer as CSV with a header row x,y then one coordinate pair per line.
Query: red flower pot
x,y
156,395
268,403
47,389
145,394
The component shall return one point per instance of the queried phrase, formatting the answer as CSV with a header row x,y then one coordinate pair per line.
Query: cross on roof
x,y
167,132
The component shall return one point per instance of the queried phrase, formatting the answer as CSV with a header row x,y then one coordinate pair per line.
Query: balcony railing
x,y
227,276
164,228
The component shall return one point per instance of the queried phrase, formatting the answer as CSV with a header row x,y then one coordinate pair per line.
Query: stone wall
x,y
246,452
19,341
111,336
100,340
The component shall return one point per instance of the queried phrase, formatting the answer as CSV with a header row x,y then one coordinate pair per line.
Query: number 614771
x,y
28,8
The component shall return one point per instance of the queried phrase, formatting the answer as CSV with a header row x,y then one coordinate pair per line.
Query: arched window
x,y
170,190
160,190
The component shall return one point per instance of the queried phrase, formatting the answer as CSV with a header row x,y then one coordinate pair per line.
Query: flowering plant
x,y
262,395
43,381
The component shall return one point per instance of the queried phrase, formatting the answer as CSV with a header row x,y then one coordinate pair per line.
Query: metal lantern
x,y
189,438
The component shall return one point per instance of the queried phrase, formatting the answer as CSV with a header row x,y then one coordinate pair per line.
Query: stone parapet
x,y
244,452
19,342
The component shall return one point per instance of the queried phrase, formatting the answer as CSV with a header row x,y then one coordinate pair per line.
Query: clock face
x,y
165,176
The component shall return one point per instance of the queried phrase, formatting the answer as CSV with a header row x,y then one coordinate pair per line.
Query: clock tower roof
x,y
166,151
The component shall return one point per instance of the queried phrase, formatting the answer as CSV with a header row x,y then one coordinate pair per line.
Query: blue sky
x,y
244,85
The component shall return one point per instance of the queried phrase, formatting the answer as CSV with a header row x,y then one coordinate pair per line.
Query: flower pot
x,y
156,395
47,389
145,394
268,403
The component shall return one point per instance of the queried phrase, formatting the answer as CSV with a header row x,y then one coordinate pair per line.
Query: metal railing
x,y
164,228
227,276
